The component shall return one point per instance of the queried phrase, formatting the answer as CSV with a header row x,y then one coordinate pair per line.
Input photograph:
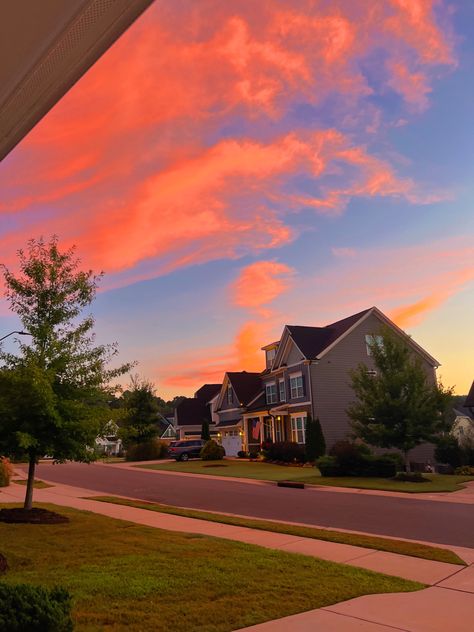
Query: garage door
x,y
231,445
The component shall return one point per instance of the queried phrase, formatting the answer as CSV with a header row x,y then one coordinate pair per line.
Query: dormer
x,y
270,353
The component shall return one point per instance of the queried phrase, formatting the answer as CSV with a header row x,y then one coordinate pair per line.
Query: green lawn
x,y
372,542
310,475
126,577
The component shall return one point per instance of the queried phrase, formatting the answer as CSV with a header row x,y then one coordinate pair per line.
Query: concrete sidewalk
x,y
447,605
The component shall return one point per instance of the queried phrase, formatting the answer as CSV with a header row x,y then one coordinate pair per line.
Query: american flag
x,y
255,428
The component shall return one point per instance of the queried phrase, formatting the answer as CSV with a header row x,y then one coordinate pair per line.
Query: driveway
x,y
443,523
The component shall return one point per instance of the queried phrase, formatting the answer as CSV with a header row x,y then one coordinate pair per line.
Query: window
x,y
371,340
298,428
267,429
230,394
271,393
279,436
270,353
296,386
282,390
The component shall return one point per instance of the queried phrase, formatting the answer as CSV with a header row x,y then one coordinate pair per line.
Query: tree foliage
x,y
398,406
54,392
315,443
139,422
205,432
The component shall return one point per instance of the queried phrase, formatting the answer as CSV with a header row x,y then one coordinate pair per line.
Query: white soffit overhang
x,y
45,47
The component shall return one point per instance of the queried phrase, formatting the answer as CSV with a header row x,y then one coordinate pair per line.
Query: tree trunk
x,y
31,479
407,462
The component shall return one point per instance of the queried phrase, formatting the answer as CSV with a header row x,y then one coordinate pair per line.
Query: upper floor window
x,y
296,386
372,340
282,390
270,355
230,394
271,393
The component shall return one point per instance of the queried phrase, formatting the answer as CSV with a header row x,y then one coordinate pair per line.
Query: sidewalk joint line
x,y
351,616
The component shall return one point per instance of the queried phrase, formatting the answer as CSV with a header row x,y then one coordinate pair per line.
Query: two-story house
x,y
307,372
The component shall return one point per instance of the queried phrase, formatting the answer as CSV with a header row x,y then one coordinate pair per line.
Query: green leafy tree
x,y
397,406
205,432
54,392
139,423
315,444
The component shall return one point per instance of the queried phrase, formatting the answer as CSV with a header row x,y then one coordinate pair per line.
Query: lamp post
x,y
20,333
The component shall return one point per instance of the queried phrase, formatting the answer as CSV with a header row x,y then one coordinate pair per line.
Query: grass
x,y
127,577
36,484
412,549
309,475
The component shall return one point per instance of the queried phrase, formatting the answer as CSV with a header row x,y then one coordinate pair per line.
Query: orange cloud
x,y
261,283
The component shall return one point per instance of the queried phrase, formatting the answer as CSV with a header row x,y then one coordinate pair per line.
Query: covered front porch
x,y
273,425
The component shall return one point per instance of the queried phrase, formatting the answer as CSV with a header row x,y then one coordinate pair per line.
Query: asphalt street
x,y
444,523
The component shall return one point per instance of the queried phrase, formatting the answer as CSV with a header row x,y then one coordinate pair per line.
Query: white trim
x,y
262,392
295,374
299,404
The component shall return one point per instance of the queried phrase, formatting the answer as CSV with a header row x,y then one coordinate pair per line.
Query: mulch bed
x,y
19,515
3,564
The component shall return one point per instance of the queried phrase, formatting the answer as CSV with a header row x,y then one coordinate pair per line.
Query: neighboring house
x,y
239,390
167,429
469,403
307,372
463,425
109,443
192,411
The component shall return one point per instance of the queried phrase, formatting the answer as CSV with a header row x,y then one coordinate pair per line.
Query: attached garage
x,y
230,435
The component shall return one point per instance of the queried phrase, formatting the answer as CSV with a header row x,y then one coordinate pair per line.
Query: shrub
x,y
350,457
212,451
242,454
34,608
328,466
253,454
286,451
6,471
465,470
315,445
411,477
448,451
147,451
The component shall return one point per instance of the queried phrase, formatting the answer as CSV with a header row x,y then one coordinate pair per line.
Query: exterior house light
x,y
278,418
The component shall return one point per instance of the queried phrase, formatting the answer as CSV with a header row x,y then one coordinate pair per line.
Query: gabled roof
x,y
192,411
469,403
312,341
207,392
245,385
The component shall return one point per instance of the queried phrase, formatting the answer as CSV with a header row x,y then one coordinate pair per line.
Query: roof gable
x,y
469,403
207,392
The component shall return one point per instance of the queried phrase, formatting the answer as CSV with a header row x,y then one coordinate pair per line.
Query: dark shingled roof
x,y
313,340
192,411
246,385
469,403
259,404
207,392
228,422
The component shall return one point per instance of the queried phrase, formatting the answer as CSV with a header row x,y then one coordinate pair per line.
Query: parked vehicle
x,y
185,450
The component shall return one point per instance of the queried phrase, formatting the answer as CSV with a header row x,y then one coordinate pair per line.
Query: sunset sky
x,y
235,166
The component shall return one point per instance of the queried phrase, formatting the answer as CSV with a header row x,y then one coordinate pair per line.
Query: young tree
x,y
205,432
54,392
315,445
397,407
139,423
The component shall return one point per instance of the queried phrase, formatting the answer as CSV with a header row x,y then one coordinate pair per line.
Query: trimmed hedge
x,y
286,452
212,451
147,451
6,471
242,454
351,459
34,609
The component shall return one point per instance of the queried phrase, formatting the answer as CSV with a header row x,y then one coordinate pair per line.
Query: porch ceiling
x,y
45,47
